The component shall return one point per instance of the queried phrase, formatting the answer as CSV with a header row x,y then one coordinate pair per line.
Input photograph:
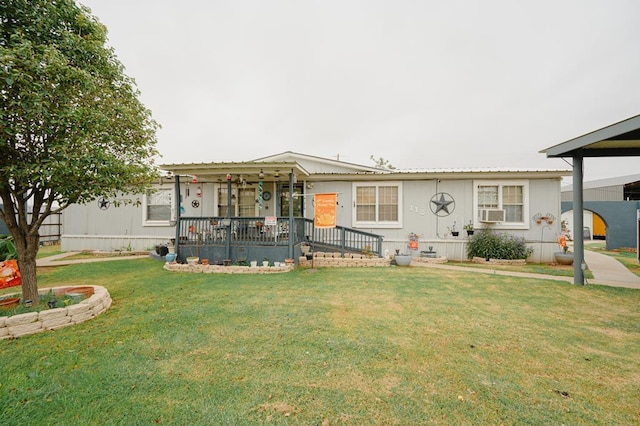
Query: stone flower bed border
x,y
483,261
232,269
53,319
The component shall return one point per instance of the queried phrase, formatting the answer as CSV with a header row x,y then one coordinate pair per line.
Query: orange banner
x,y
325,210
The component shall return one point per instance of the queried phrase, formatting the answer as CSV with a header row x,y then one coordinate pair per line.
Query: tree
x,y
381,163
71,124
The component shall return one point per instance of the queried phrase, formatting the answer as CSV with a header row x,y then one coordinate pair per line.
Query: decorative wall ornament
x,y
442,204
539,218
103,203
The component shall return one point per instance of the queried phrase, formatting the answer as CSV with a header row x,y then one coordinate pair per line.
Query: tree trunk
x,y
27,248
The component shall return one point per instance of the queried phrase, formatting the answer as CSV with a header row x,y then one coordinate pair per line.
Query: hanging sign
x,y
325,210
270,220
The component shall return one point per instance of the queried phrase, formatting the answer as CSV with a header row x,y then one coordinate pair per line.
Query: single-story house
x,y
264,208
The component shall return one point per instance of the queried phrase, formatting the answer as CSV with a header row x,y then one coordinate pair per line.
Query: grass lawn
x,y
333,346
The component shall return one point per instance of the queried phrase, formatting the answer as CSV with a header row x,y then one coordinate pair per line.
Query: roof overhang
x,y
617,140
442,174
250,170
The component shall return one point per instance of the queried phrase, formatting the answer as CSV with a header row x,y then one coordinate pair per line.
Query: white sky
x,y
421,83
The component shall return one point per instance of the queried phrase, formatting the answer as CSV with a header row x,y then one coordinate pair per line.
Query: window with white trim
x,y
377,204
158,207
510,196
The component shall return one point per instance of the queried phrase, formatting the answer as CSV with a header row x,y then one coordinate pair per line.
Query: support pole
x,y
578,221
291,233
230,228
178,225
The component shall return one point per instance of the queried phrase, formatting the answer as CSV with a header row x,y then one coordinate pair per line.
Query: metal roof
x,y
602,183
621,139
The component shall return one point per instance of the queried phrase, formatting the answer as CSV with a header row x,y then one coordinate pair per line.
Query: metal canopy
x,y
617,140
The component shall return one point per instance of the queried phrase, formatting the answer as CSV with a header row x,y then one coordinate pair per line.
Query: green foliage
x,y
72,126
489,244
7,248
381,163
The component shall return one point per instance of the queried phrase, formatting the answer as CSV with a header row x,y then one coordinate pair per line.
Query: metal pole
x,y
177,191
578,221
291,233
230,228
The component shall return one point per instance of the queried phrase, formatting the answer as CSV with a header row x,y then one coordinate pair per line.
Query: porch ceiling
x,y
617,140
250,170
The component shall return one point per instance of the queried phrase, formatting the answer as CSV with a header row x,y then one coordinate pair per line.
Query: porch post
x,y
291,233
578,221
230,228
177,192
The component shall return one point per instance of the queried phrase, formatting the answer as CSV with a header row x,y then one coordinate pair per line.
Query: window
x,y
223,201
508,196
158,207
298,201
377,205
247,202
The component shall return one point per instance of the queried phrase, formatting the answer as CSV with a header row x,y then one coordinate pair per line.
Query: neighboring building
x,y
371,203
609,205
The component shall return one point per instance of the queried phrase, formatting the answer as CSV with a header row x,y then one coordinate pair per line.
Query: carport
x,y
617,140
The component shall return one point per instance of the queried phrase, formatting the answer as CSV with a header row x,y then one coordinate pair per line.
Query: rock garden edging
x,y
54,319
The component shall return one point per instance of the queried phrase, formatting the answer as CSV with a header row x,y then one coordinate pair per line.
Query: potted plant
x,y
402,259
563,257
265,262
469,228
453,230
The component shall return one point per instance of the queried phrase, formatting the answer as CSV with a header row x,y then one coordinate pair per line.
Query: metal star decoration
x,y
103,203
442,204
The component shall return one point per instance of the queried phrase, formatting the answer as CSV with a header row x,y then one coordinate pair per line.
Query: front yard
x,y
332,346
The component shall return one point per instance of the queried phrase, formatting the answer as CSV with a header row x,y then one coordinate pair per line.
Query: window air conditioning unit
x,y
491,215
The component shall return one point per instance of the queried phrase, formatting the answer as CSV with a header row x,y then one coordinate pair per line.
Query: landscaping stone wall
x,y
321,259
53,319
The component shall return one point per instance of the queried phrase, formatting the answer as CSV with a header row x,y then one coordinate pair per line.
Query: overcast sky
x,y
421,83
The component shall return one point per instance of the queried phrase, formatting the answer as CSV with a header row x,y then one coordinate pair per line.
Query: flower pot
x,y
192,260
226,262
170,257
469,232
455,233
205,261
265,263
254,263
563,258
82,291
403,259
9,302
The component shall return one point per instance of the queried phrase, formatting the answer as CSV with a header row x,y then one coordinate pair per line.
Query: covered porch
x,y
230,213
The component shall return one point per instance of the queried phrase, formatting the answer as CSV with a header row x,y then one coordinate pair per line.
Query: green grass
x,y
334,346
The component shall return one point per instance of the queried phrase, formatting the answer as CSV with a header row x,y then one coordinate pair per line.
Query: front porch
x,y
242,239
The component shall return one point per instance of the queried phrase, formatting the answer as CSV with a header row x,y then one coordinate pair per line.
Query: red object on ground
x,y
9,274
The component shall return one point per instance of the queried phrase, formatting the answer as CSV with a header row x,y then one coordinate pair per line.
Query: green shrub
x,y
7,248
488,244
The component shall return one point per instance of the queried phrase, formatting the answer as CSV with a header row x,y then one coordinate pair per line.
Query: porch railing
x,y
342,239
195,234
245,230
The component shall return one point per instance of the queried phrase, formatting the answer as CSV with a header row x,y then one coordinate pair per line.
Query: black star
x,y
442,204
103,203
